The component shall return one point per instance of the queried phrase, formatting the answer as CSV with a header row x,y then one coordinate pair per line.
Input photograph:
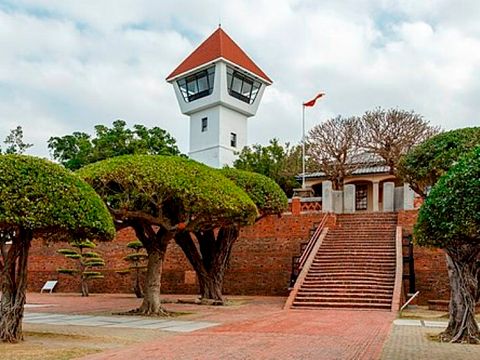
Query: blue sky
x,y
68,65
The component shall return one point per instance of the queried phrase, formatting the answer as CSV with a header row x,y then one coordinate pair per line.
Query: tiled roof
x,y
370,164
360,171
218,45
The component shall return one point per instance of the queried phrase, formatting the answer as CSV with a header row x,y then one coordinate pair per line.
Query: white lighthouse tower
x,y
219,87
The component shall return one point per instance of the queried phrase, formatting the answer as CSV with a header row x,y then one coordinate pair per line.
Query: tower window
x,y
197,85
204,124
233,140
241,86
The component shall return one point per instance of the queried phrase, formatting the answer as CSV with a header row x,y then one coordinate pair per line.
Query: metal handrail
x,y
311,242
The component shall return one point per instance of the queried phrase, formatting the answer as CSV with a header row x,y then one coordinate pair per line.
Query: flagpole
x,y
303,146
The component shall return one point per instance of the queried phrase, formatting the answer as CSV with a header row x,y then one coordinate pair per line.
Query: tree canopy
x,y
424,164
332,145
43,197
392,133
39,198
264,192
278,162
168,190
79,148
450,215
450,219
160,196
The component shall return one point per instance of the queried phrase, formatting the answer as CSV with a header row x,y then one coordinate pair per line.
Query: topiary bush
x,y
449,219
40,199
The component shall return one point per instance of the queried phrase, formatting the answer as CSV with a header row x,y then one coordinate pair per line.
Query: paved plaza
x,y
134,322
248,328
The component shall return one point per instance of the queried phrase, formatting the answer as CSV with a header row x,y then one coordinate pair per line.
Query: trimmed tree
x,y
450,219
40,199
136,260
422,166
87,262
159,196
212,255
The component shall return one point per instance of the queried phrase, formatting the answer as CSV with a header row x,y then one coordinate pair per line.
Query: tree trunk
x,y
137,287
210,260
151,304
14,284
156,245
462,326
84,285
211,286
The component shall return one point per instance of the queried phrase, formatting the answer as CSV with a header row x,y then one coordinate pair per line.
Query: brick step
x,y
345,305
353,259
354,230
351,251
367,223
384,288
362,290
341,274
357,241
349,282
336,297
356,237
359,230
356,251
317,280
344,263
350,246
349,266
384,284
360,271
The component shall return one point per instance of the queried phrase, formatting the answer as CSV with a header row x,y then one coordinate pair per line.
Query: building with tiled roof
x,y
219,86
369,177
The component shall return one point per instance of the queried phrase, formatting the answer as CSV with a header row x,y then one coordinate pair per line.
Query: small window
x,y
204,124
233,140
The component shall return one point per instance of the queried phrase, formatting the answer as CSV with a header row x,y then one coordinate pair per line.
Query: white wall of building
x,y
225,113
213,146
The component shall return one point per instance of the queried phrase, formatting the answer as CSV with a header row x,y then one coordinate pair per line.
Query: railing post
x,y
296,206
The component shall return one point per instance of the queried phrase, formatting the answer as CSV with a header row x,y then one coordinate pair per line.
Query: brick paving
x,y
412,343
250,328
317,334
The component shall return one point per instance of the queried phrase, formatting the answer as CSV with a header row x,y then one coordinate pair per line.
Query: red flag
x,y
312,102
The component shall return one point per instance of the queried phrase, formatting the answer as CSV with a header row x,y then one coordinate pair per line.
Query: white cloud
x,y
68,65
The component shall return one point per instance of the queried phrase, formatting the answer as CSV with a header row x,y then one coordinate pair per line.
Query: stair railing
x,y
311,242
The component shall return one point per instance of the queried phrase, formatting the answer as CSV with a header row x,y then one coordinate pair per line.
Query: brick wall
x,y
260,262
430,265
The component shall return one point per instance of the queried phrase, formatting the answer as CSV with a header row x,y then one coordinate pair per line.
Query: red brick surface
x,y
260,264
430,265
256,329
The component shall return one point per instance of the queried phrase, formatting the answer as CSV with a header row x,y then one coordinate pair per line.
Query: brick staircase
x,y
355,265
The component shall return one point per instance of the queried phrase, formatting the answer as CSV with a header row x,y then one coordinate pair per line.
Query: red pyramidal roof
x,y
218,45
